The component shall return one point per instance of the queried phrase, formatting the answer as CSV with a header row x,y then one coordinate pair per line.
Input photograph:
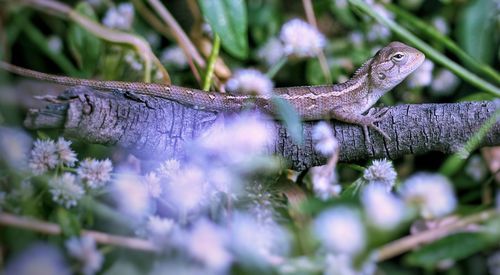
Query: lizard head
x,y
393,63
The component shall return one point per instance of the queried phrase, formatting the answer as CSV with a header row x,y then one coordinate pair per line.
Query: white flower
x,y
120,17
159,228
343,264
356,38
378,32
207,243
39,259
324,181
187,191
441,25
444,83
43,156
250,81
55,43
476,168
222,179
301,39
383,209
153,183
431,193
84,250
131,196
324,141
133,61
261,206
381,172
271,52
169,168
340,230
66,155
233,143
422,76
65,190
95,173
256,243
15,146
174,56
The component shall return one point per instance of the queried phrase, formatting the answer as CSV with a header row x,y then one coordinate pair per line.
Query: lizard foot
x,y
373,116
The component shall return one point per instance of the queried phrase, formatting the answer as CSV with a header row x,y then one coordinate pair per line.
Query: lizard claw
x,y
372,117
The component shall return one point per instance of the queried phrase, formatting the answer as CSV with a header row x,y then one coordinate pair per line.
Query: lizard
x,y
346,102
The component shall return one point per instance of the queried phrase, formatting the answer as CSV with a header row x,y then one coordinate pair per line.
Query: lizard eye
x,y
398,57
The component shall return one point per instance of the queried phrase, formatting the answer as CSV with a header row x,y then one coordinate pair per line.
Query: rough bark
x,y
158,128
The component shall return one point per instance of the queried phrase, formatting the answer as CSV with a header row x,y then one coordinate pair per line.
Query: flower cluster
x,y
250,81
300,39
48,156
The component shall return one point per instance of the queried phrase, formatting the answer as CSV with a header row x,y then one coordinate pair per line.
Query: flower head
x,y
15,146
444,83
95,173
271,52
301,39
131,196
55,43
174,56
233,144
324,181
431,193
120,17
65,190
66,155
84,250
40,259
250,81
154,185
381,172
422,76
323,139
159,228
169,168
383,209
257,243
207,243
133,61
187,192
341,231
43,156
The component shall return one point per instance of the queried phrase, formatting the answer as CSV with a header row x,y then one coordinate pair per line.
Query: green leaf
x,y
476,30
290,117
84,46
454,247
228,18
70,225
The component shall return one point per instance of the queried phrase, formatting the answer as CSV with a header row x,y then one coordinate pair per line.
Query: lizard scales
x,y
345,101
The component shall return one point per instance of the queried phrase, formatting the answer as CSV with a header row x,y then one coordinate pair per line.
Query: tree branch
x,y
158,128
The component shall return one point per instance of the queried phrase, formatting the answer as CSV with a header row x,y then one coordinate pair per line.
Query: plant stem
x,y
276,67
426,49
409,242
214,53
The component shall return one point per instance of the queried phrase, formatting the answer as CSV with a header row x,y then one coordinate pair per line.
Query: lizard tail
x,y
193,97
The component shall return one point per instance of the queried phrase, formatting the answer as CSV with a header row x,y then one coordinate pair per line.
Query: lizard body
x,y
345,101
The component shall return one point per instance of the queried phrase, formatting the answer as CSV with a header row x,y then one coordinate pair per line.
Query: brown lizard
x,y
344,102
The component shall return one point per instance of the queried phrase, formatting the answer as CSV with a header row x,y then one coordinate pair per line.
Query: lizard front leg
x,y
364,121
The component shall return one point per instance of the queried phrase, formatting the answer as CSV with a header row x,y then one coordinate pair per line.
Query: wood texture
x,y
158,128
